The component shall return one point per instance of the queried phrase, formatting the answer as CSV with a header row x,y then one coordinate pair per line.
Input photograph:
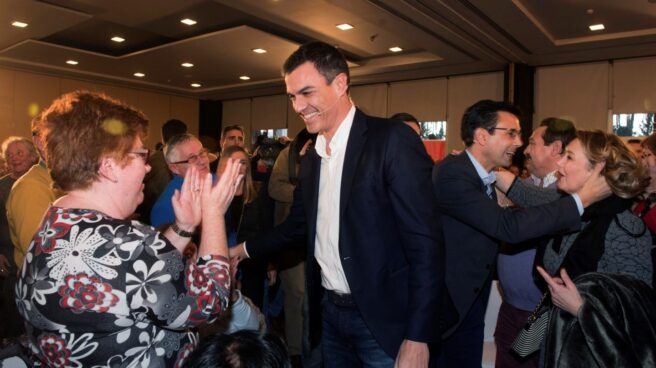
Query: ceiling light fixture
x,y
187,65
71,62
395,49
139,75
118,39
245,77
597,27
344,26
187,21
259,51
19,24
196,85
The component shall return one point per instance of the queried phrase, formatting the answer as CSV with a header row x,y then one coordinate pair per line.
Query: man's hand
x,y
595,188
238,252
564,293
412,354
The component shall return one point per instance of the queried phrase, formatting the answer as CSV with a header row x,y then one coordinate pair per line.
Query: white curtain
x,y
371,99
424,99
634,85
464,91
575,92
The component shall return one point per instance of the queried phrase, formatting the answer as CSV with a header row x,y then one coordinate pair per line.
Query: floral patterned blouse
x,y
100,292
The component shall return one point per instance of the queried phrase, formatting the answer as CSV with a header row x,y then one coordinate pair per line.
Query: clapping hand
x,y
216,198
187,201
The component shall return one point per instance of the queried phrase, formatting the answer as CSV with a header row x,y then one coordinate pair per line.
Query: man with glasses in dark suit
x,y
474,224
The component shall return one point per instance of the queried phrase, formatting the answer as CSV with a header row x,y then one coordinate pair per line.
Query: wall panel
x,y
464,91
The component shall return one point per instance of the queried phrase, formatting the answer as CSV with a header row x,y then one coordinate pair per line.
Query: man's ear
x,y
174,169
340,83
556,148
481,136
108,168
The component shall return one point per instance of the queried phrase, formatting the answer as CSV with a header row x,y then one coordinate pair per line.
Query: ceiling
x,y
438,38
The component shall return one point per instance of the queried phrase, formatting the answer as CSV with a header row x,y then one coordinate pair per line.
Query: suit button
x,y
476,290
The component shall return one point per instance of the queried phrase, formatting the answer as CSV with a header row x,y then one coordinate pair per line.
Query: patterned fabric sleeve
x,y
628,248
97,292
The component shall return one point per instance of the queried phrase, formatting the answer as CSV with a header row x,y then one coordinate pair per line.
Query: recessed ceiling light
x,y
597,27
71,62
344,26
118,39
189,22
187,65
259,51
19,24
196,85
139,75
395,49
245,77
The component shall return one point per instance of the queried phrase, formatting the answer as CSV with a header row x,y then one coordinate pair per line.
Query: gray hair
x,y
26,142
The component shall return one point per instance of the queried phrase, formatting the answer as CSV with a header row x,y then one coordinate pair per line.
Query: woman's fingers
x,y
546,276
567,281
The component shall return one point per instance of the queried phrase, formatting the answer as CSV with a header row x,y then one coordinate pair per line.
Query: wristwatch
x,y
180,232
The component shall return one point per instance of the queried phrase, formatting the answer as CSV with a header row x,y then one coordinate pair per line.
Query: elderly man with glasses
x,y
181,152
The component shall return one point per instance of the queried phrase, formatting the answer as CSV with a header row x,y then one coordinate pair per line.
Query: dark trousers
x,y
464,347
509,323
345,339
12,322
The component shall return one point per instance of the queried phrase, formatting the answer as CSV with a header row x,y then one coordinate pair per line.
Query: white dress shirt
x,y
548,179
326,245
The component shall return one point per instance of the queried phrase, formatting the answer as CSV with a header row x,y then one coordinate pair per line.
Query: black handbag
x,y
530,337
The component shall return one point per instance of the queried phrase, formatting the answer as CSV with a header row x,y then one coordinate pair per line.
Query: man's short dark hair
x,y
483,114
558,130
328,60
241,349
404,116
173,127
230,127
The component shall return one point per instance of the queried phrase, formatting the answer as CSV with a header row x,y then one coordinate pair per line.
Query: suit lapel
x,y
313,195
356,142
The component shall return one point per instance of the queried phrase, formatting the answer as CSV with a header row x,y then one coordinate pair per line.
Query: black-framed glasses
x,y
193,159
512,132
144,155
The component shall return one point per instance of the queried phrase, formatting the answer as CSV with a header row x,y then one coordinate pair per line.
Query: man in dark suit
x,y
365,208
473,222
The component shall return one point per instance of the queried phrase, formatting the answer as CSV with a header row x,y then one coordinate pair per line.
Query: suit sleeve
x,y
408,173
291,232
460,194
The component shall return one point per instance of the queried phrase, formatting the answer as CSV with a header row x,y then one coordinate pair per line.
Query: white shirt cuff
x,y
577,199
249,256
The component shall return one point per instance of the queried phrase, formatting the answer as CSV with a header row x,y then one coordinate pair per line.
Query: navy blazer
x,y
473,226
390,250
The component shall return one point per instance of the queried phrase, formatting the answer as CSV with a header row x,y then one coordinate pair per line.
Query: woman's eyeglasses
x,y
144,155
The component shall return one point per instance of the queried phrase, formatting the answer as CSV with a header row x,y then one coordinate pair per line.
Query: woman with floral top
x,y
100,290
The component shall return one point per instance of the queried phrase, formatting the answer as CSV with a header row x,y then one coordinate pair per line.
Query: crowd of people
x,y
378,256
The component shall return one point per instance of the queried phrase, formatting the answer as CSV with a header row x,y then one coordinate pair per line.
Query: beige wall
x,y
23,94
